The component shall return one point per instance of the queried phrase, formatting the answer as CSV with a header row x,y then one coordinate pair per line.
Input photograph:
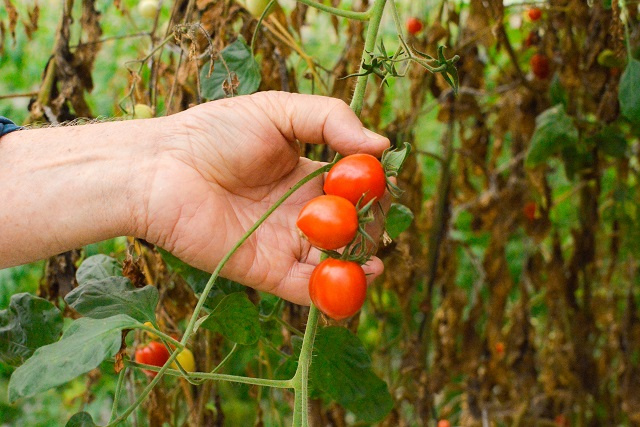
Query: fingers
x,y
321,120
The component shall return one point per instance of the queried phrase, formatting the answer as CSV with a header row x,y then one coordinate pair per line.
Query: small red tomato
x,y
355,176
532,39
500,348
540,66
444,423
329,222
529,211
561,420
414,25
338,288
534,13
155,354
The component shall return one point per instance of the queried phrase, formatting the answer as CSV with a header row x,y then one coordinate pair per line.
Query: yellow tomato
x,y
148,8
186,360
142,111
256,7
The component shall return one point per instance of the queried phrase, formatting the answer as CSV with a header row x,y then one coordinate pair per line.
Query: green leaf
x,y
611,141
236,318
81,419
398,219
392,160
104,298
83,346
554,132
28,323
628,92
240,64
197,280
341,369
557,92
98,267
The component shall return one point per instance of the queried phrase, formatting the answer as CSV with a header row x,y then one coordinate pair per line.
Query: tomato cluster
x,y
338,286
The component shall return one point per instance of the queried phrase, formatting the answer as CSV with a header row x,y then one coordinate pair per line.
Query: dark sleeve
x,y
7,126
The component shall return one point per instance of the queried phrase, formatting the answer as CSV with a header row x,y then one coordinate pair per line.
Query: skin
x,y
191,183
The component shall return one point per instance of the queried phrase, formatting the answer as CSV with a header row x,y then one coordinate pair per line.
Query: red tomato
x,y
540,66
355,176
444,423
500,347
329,222
534,13
414,25
338,288
155,354
529,210
532,39
561,420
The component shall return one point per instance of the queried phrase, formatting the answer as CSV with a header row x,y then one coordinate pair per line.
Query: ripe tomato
x,y
534,13
529,210
444,423
329,222
155,353
532,39
500,348
540,66
186,360
561,420
355,176
338,288
414,25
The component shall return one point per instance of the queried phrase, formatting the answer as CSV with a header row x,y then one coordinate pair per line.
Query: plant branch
x,y
350,14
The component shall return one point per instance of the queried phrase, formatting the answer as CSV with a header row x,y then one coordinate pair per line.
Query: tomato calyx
x,y
392,161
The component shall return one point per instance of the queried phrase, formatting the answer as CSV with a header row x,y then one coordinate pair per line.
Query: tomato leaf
x,y
628,93
98,267
104,298
238,74
197,280
557,92
81,419
236,318
554,132
398,219
28,323
611,141
392,160
83,346
341,369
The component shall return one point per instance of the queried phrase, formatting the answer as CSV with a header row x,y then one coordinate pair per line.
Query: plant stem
x,y
350,14
369,45
116,396
215,377
249,232
301,379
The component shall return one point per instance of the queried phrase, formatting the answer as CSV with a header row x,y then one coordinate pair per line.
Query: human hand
x,y
226,163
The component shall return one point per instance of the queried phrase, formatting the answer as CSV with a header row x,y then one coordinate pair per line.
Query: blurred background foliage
x,y
512,299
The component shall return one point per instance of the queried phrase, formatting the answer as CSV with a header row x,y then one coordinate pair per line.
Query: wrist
x,y
69,186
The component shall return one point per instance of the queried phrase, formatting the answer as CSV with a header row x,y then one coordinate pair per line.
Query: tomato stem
x,y
349,14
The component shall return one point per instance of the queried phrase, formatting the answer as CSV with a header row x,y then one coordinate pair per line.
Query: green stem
x,y
249,232
217,368
259,24
301,379
162,335
350,14
116,396
213,377
369,45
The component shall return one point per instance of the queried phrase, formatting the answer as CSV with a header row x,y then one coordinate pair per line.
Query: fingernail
x,y
372,135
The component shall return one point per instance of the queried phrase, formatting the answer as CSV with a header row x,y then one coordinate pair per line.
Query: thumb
x,y
321,120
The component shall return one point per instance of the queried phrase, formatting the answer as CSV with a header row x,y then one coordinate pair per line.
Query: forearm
x,y
65,187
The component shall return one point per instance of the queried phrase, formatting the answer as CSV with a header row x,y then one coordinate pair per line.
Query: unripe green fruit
x,y
607,58
142,111
148,8
257,7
